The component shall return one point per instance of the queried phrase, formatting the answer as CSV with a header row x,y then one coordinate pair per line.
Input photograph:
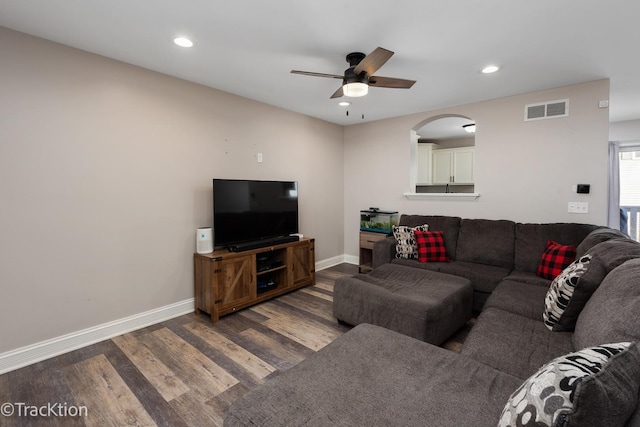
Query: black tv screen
x,y
245,210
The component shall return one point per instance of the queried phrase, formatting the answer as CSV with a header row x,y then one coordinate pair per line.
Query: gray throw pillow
x,y
561,290
597,386
406,246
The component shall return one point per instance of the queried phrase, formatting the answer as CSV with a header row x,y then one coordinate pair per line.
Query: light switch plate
x,y
578,207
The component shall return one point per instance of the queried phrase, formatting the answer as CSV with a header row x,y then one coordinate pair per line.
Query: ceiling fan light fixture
x,y
470,128
355,89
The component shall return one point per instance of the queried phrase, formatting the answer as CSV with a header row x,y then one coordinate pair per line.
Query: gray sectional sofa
x,y
486,251
513,368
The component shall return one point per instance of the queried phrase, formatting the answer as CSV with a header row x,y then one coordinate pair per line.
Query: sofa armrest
x,y
384,251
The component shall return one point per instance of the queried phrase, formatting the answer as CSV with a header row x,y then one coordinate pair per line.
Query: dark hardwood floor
x,y
182,372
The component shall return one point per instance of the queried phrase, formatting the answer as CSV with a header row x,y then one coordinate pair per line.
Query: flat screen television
x,y
253,211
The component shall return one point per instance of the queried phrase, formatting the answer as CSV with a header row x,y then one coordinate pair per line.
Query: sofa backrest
x,y
611,314
605,257
531,241
449,225
486,241
598,236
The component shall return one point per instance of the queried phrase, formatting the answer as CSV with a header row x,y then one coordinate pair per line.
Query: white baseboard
x,y
34,353
24,356
351,259
330,262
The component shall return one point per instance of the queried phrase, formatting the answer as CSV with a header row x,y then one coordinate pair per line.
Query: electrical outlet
x,y
578,207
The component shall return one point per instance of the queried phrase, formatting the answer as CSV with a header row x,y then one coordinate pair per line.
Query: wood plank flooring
x,y
183,372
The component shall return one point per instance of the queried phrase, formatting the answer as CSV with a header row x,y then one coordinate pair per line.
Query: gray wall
x,y
106,168
624,131
524,170
105,174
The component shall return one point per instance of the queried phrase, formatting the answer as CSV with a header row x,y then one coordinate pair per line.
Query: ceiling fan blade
x,y
337,94
309,73
392,82
373,61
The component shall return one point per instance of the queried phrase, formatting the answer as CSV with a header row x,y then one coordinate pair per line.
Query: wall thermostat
x,y
583,188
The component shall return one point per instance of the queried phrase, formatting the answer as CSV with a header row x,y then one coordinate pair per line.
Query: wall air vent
x,y
546,110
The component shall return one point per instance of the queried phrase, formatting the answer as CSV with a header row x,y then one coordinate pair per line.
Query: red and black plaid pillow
x,y
555,258
431,246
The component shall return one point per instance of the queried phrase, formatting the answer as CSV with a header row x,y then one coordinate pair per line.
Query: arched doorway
x,y
444,154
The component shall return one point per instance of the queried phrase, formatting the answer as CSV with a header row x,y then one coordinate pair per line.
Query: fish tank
x,y
378,221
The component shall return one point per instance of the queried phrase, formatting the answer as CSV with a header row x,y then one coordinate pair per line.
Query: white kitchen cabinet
x,y
425,163
453,166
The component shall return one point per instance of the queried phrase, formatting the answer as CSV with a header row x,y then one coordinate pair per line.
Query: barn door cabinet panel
x,y
225,282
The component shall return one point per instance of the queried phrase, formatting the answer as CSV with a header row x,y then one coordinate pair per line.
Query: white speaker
x,y
204,240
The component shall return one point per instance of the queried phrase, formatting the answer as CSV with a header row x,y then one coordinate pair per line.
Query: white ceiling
x,y
248,47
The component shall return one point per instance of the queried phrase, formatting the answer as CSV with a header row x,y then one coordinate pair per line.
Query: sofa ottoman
x,y
422,304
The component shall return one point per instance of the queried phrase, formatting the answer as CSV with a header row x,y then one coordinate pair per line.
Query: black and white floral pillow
x,y
597,383
561,290
406,246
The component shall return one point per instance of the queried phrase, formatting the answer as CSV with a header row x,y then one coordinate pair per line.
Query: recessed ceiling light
x,y
344,103
183,42
490,69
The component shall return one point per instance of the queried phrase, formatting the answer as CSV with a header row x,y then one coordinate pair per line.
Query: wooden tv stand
x,y
229,281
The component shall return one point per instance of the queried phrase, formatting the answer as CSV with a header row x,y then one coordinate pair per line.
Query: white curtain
x,y
614,185
615,148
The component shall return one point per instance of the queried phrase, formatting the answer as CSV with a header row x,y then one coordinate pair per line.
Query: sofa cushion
x,y
431,246
449,225
523,299
514,344
561,290
607,315
598,235
528,277
483,277
432,266
485,241
605,257
406,240
531,241
594,386
371,376
555,258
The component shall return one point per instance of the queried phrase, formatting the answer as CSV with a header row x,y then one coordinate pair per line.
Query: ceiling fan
x,y
359,76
